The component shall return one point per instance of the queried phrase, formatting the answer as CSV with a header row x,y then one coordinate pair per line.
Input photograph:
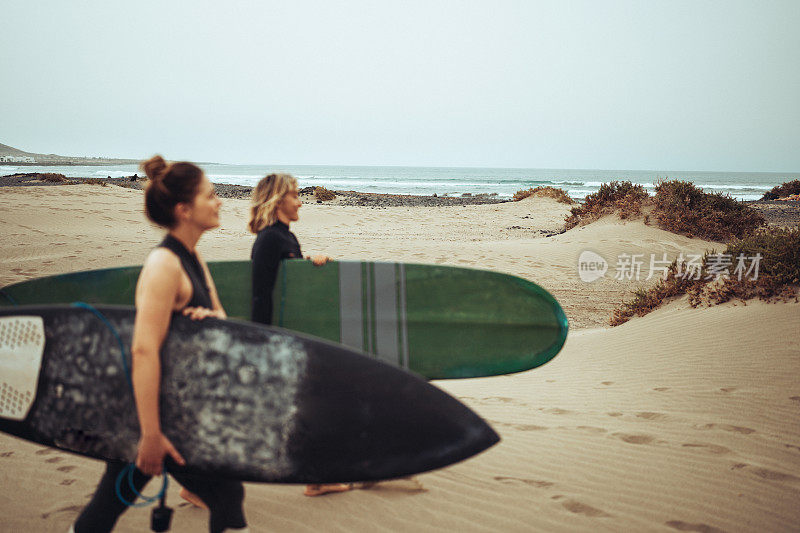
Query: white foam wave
x,y
112,173
735,187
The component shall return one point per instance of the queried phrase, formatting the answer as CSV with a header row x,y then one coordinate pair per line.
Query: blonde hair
x,y
265,199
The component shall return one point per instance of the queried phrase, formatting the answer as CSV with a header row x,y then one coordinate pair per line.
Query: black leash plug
x,y
162,515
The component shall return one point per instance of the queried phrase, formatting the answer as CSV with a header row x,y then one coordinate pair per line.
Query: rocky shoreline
x,y
778,212
224,190
775,212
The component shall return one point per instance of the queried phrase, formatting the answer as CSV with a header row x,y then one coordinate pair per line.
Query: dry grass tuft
x,y
53,177
547,192
790,188
322,194
681,207
94,181
776,278
678,206
621,197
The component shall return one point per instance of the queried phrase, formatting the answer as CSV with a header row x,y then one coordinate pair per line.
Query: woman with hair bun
x,y
174,279
274,205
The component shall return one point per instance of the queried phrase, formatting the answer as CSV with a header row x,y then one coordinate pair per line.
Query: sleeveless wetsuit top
x,y
201,295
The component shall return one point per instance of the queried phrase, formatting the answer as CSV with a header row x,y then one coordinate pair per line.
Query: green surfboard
x,y
438,321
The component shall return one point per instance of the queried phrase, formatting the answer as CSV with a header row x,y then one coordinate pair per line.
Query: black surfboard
x,y
237,399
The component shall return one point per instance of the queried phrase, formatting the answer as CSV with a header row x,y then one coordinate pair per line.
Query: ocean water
x,y
452,181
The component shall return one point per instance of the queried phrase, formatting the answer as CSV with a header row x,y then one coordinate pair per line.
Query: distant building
x,y
16,159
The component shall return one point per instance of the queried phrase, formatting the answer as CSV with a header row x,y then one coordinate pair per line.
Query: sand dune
x,y
686,419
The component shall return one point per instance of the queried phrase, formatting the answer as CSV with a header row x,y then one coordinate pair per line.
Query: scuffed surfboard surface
x,y
244,401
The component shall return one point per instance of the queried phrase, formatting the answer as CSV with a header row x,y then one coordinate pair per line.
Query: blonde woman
x,y
274,206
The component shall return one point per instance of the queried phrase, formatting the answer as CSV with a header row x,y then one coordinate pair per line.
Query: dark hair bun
x,y
169,185
155,167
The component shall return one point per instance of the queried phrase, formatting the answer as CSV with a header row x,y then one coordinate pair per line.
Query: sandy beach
x,y
683,420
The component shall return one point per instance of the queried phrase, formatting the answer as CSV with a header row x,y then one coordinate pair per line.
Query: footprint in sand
x,y
68,482
615,415
606,383
728,389
729,427
661,389
71,509
581,508
710,448
592,429
528,427
6,454
772,475
650,416
54,460
685,526
532,482
634,439
795,398
792,447
45,451
520,427
557,411
494,399
66,468
765,473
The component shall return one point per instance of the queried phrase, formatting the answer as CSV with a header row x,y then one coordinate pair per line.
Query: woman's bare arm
x,y
156,294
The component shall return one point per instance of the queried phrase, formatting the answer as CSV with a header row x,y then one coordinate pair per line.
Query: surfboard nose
x,y
380,421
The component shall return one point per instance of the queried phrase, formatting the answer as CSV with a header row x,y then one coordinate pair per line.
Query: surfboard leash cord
x,y
146,500
114,332
130,467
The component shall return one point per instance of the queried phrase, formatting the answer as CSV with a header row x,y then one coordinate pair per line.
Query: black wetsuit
x,y
273,244
224,497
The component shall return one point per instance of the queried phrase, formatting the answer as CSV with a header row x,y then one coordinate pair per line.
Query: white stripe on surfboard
x,y
351,317
385,301
367,289
401,310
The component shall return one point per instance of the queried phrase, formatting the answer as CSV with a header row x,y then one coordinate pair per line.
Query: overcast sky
x,y
668,85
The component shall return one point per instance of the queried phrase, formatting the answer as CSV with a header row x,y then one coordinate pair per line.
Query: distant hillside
x,y
8,150
30,158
